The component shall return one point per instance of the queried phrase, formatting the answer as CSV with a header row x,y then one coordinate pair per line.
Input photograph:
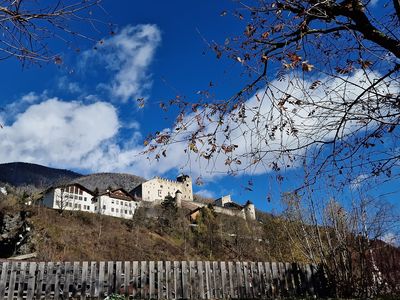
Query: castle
x,y
120,203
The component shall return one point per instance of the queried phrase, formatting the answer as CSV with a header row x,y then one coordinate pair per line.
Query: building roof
x,y
70,184
118,194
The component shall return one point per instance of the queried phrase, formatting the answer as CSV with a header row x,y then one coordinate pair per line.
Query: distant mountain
x,y
104,181
22,174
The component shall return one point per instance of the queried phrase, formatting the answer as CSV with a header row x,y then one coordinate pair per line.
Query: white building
x,y
117,203
70,197
156,189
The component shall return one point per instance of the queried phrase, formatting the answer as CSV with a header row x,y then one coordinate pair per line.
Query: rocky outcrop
x,y
15,234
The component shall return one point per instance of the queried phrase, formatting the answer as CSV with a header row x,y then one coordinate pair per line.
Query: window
x,y
116,210
159,193
126,211
112,201
130,204
75,205
130,212
117,201
80,197
112,209
76,197
104,207
70,204
80,192
84,199
126,203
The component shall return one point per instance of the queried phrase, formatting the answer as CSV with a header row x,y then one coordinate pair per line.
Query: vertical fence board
x,y
75,279
110,278
13,277
58,279
231,292
255,280
93,279
239,278
207,273
160,282
21,280
262,281
185,274
135,278
3,279
152,280
200,275
118,279
224,284
30,293
40,276
274,279
127,276
84,279
100,282
168,280
143,279
192,281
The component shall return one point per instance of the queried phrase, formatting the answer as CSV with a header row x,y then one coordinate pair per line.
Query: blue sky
x,y
83,115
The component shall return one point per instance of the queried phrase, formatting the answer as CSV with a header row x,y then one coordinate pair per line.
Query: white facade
x,y
73,197
117,203
156,189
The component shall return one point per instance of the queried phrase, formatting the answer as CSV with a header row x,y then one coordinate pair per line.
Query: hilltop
x,y
22,174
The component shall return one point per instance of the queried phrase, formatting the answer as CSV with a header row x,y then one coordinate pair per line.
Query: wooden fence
x,y
158,280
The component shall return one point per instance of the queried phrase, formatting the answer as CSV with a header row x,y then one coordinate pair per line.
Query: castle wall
x,y
156,189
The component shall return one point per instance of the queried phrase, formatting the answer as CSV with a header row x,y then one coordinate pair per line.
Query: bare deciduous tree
x,y
323,90
29,29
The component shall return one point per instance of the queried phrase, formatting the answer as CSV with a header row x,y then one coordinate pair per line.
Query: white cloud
x,y
58,133
128,56
253,136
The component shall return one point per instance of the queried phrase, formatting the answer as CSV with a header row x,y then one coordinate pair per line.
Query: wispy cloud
x,y
127,56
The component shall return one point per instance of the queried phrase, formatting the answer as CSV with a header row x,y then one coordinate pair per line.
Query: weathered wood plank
x,y
3,279
93,279
224,282
239,277
231,280
143,279
208,280
135,278
21,280
152,291
169,280
110,278
275,279
160,280
84,279
50,278
30,293
192,280
200,271
59,270
246,280
127,278
118,277
177,280
76,279
100,281
40,276
13,277
255,280
185,285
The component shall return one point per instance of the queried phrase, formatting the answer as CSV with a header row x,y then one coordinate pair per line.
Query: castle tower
x,y
178,198
250,211
186,187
